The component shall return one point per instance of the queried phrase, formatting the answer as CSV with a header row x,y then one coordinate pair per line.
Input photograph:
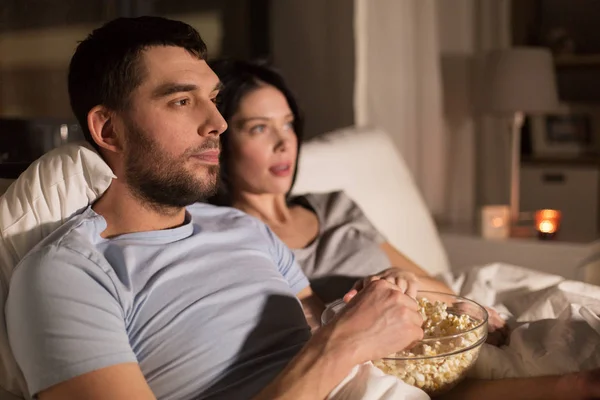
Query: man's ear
x,y
101,128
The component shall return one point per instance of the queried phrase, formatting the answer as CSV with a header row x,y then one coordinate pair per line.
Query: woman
x,y
332,239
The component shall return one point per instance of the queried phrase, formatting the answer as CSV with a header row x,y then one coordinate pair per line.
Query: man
x,y
148,294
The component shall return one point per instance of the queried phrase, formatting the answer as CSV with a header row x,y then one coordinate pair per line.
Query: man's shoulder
x,y
74,239
221,217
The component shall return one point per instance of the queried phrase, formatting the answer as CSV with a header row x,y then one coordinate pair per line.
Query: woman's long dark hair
x,y
239,78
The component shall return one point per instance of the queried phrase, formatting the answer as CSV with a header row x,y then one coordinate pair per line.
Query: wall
x,y
313,46
34,64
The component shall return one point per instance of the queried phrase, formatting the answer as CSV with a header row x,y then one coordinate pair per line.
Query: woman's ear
x,y
102,129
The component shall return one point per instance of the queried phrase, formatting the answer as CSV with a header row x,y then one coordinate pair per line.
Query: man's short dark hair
x,y
105,68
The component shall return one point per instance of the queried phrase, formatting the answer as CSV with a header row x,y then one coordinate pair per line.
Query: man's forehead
x,y
170,63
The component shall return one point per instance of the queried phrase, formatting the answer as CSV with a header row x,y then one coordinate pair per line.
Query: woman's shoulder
x,y
337,209
335,205
320,199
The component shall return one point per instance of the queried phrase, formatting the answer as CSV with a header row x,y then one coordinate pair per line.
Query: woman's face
x,y
263,143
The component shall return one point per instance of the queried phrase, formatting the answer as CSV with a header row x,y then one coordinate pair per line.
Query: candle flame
x,y
497,222
547,227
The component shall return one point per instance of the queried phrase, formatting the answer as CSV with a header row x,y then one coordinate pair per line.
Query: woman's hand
x,y
498,331
406,281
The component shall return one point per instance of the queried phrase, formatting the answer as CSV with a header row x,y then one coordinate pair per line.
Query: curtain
x,y
398,86
416,76
493,141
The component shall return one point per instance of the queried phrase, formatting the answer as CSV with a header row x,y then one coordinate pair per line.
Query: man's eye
x,y
182,102
215,100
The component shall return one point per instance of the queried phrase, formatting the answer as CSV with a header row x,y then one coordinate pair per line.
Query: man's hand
x,y
380,320
405,280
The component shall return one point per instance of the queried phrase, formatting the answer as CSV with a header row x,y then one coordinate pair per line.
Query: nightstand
x,y
571,185
466,249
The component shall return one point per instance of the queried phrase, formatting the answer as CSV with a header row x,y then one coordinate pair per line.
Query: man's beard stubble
x,y
162,182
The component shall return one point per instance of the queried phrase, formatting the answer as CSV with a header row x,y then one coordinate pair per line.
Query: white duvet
x,y
555,330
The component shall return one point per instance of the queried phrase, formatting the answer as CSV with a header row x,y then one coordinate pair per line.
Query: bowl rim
x,y
483,322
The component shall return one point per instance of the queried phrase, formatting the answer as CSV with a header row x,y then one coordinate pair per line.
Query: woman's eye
x,y
289,125
258,129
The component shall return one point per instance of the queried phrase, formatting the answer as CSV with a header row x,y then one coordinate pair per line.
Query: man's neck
x,y
269,208
126,213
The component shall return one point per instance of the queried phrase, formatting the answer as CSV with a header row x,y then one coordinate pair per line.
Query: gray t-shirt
x,y
347,247
208,309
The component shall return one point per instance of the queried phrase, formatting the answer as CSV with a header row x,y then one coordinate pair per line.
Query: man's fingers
x,y
350,295
364,282
390,279
416,318
412,289
402,284
406,301
358,285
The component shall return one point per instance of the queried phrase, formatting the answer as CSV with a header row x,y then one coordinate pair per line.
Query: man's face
x,y
172,127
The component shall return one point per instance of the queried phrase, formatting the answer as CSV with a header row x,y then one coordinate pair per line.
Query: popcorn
x,y
437,374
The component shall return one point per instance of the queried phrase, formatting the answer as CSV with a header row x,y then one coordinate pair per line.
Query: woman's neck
x,y
272,209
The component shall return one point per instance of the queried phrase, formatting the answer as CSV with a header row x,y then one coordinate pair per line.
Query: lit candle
x,y
547,223
495,222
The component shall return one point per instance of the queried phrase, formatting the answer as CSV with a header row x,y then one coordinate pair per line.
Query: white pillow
x,y
365,164
52,189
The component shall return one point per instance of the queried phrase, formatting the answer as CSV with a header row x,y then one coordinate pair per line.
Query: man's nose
x,y
215,124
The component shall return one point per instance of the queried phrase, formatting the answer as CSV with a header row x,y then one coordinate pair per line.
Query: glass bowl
x,y
455,330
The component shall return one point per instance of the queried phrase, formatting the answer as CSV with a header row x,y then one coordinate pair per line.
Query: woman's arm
x,y
496,324
313,307
426,282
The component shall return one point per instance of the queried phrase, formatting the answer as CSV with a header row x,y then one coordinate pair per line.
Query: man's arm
x,y
118,382
380,320
67,331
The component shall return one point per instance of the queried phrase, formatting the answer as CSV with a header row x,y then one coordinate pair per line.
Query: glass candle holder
x,y
495,222
547,223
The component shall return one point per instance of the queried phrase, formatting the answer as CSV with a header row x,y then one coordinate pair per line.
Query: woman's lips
x,y
208,156
281,170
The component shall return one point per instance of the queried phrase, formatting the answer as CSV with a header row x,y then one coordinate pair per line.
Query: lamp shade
x,y
519,79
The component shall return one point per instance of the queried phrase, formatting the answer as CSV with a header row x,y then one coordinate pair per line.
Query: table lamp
x,y
518,81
